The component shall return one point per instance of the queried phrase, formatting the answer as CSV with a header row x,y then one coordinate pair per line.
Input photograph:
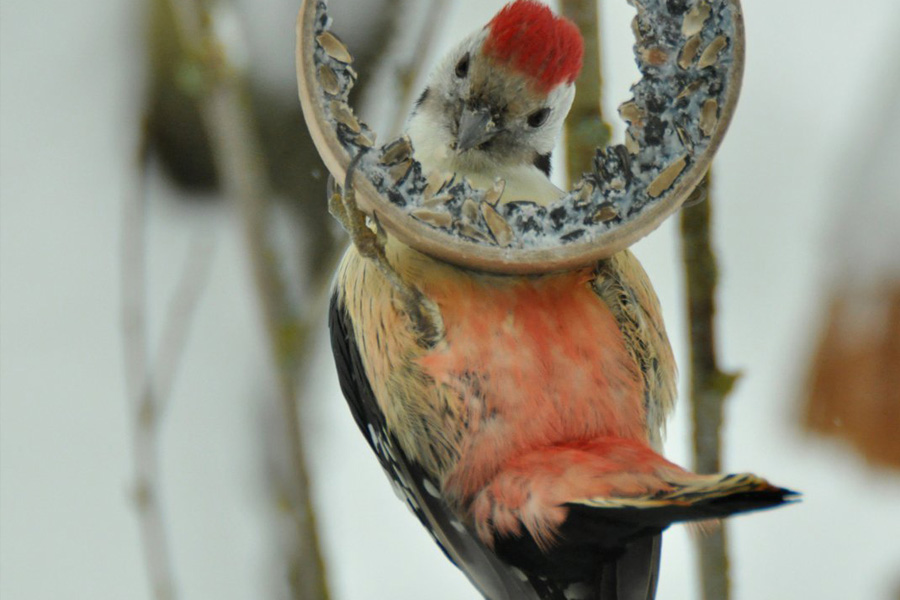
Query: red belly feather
x,y
537,362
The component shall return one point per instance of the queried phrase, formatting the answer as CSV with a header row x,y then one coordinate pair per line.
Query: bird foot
x,y
370,241
343,207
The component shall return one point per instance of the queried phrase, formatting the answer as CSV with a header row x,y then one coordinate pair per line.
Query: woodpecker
x,y
520,417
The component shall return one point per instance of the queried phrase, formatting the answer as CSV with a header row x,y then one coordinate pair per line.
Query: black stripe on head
x,y
422,97
542,162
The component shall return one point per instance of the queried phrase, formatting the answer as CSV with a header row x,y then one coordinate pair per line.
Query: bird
x,y
520,417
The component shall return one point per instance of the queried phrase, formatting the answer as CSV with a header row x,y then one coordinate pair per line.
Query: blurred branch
x,y
175,133
133,277
145,454
709,384
237,154
149,387
853,381
193,280
585,131
585,128
408,72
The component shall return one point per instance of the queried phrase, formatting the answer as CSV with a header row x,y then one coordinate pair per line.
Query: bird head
x,y
500,97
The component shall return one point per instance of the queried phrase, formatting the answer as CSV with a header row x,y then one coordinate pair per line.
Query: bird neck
x,y
433,149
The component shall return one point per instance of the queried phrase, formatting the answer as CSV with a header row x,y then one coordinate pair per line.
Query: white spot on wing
x,y
577,591
429,487
398,490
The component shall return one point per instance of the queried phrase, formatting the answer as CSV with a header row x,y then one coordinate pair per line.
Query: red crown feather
x,y
527,36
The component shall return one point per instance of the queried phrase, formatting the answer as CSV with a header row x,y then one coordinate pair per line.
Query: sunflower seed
x,y
689,89
433,217
492,196
585,193
400,170
711,53
473,233
631,112
469,210
621,152
605,213
654,56
695,19
344,114
617,183
438,200
630,143
636,30
328,79
684,137
689,52
709,116
497,225
666,178
366,138
437,181
334,47
396,151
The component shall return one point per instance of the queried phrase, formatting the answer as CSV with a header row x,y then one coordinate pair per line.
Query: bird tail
x,y
591,513
696,498
609,477
634,571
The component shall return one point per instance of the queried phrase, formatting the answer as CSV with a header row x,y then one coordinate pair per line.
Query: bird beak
x,y
475,128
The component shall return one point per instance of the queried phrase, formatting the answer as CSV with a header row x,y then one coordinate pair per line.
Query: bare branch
x,y
238,155
709,385
179,315
153,532
133,276
150,403
586,130
405,41
149,388
141,397
408,72
585,127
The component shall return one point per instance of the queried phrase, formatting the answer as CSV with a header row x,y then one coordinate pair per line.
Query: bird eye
x,y
462,67
538,117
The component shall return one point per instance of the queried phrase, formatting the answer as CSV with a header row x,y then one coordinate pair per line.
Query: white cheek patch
x,y
560,101
432,142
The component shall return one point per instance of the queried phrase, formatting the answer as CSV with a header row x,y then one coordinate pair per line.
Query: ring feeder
x,y
691,56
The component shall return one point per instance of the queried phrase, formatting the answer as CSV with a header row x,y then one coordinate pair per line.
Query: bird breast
x,y
534,362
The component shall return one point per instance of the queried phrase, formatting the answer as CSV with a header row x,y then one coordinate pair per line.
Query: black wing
x,y
596,557
493,578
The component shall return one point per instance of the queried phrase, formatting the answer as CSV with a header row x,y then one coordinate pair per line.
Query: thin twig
x,y
238,158
585,128
709,385
153,532
179,315
150,409
408,73
133,276
149,386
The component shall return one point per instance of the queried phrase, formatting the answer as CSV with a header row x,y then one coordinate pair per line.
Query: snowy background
x,y
817,97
